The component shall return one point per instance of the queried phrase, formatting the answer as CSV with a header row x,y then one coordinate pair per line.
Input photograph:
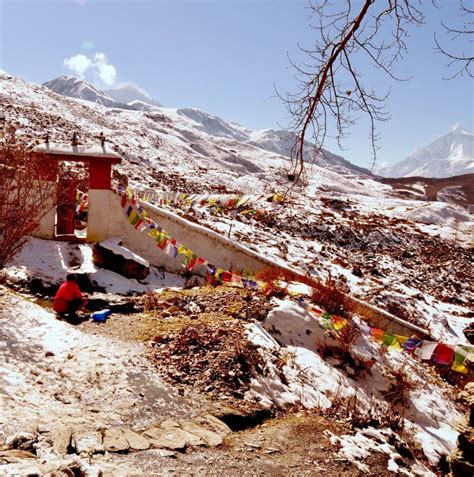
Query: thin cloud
x,y
98,66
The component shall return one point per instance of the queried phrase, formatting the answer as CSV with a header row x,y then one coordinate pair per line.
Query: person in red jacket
x,y
69,298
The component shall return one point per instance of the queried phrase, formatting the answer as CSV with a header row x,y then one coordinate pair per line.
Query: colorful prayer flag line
x,y
139,219
440,353
219,203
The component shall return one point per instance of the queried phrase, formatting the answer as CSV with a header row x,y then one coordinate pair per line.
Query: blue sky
x,y
225,57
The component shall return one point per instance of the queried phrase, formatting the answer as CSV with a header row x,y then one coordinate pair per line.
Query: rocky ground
x,y
92,404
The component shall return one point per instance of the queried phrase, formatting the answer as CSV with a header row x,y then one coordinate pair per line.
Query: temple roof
x,y
78,152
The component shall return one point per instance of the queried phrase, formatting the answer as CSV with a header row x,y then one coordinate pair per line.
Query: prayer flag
x,y
236,280
377,335
140,222
443,354
398,342
460,355
338,322
425,350
365,329
388,339
211,269
192,262
410,344
182,249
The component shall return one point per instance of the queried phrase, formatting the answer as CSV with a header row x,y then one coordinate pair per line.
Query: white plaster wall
x,y
46,228
218,250
100,215
107,219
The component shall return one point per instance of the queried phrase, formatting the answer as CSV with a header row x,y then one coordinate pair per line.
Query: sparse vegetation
x,y
401,384
212,358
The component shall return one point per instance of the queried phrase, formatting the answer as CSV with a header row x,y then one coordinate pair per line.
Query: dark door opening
x,y
72,203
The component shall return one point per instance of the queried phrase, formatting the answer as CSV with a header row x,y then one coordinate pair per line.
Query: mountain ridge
x,y
277,141
451,154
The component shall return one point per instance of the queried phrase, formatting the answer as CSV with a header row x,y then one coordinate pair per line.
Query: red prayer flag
x,y
443,354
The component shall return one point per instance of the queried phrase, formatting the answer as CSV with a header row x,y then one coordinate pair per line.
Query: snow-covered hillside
x,y
344,224
451,154
281,142
129,96
410,257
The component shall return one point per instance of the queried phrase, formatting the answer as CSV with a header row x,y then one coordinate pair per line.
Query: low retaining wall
x,y
230,255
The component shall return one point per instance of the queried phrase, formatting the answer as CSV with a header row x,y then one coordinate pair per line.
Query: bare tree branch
x,y
461,61
330,85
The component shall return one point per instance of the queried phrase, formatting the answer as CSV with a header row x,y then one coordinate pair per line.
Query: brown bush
x,y
331,299
151,301
24,194
398,393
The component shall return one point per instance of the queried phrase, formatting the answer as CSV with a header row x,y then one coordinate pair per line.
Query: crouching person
x,y
69,299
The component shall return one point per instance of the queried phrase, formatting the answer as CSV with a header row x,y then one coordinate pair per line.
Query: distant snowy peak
x,y
125,97
450,155
130,93
76,88
141,106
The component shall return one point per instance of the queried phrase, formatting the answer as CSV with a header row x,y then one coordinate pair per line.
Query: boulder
x,y
110,254
61,440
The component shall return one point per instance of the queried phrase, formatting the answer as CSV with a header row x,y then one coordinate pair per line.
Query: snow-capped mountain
x,y
126,97
80,89
450,155
129,93
131,97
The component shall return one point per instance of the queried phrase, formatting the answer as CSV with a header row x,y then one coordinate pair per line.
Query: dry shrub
x,y
361,415
348,335
354,367
26,185
151,301
210,357
326,294
398,393
331,299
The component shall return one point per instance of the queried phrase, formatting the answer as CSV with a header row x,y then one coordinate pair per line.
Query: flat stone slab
x,y
115,440
13,456
61,440
205,437
89,442
136,441
174,439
